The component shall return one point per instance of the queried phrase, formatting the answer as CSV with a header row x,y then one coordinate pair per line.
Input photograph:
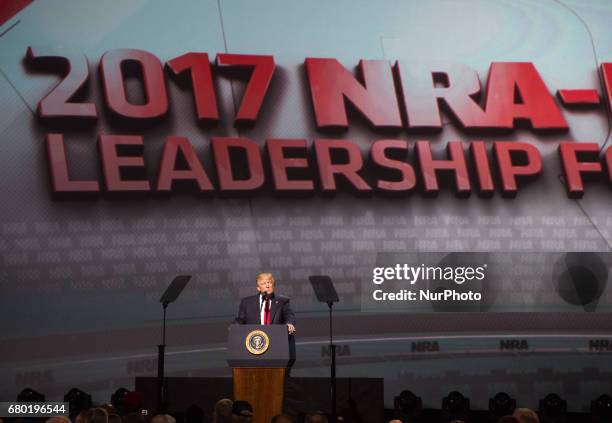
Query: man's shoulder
x,y
281,298
250,298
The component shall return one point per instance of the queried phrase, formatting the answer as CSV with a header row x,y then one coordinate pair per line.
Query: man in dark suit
x,y
266,308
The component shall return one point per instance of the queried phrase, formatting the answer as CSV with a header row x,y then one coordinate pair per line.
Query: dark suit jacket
x,y
280,312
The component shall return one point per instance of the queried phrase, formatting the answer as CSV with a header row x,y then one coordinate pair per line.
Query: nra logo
x,y
425,346
341,350
513,345
600,345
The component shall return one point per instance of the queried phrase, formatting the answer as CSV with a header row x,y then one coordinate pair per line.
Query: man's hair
x,y
315,417
194,414
98,415
110,409
163,418
134,418
282,418
114,418
242,408
56,419
262,274
223,411
526,415
82,416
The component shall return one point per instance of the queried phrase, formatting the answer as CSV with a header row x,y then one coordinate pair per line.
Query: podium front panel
x,y
258,346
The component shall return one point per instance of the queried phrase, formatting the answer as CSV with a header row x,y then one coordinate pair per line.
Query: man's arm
x,y
241,317
287,313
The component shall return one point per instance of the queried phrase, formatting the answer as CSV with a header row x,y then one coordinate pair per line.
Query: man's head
x,y
114,418
315,417
134,418
265,283
242,412
98,415
194,414
110,409
163,418
223,411
282,418
526,415
83,416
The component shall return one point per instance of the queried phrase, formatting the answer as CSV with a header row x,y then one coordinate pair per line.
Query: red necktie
x,y
267,313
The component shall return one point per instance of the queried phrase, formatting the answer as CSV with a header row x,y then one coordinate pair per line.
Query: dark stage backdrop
x,y
80,280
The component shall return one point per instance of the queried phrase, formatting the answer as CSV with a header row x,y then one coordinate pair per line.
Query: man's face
x,y
265,283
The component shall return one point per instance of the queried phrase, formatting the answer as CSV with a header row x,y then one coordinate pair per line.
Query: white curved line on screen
x,y
347,340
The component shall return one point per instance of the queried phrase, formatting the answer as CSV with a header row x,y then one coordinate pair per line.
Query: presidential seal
x,y
257,342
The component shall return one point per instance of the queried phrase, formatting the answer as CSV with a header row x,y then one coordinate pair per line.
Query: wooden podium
x,y
259,356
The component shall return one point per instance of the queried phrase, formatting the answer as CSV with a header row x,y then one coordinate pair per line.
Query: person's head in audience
x,y
109,409
194,414
282,418
56,419
163,418
509,419
98,415
350,413
315,417
114,418
395,421
526,415
134,418
83,416
223,411
242,412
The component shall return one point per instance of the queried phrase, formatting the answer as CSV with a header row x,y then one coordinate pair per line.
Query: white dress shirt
x,y
262,309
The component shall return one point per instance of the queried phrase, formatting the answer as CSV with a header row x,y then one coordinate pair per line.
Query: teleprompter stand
x,y
171,294
326,293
